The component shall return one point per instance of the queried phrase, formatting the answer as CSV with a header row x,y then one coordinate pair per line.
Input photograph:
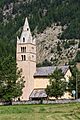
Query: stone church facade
x,y
36,79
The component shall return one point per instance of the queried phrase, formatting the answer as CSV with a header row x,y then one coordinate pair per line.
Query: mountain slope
x,y
41,14
53,51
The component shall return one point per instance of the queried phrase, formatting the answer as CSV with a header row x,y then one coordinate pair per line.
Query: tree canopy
x,y
11,80
74,81
57,85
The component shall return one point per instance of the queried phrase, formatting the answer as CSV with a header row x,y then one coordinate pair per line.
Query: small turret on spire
x,y
18,40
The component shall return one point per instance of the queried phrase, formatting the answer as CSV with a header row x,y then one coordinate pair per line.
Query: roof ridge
x,y
54,66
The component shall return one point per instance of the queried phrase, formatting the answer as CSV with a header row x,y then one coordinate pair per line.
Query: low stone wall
x,y
46,102
41,102
25,102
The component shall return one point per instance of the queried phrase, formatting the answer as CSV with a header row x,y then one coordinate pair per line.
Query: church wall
x,y
40,82
29,47
25,71
28,70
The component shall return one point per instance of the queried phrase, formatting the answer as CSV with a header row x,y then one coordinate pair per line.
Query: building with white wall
x,y
36,79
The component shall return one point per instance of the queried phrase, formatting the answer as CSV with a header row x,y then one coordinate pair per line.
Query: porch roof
x,y
38,93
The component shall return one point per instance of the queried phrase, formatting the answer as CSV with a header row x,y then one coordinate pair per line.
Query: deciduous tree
x,y
57,85
11,80
74,81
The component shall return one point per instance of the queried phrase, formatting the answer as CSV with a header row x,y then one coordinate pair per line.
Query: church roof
x,y
45,71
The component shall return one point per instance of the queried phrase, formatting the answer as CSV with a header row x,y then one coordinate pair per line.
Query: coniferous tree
x,y
11,80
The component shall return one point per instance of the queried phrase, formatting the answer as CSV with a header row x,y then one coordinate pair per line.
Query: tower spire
x,y
26,36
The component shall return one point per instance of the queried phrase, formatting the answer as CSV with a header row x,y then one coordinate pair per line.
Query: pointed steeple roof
x,y
26,36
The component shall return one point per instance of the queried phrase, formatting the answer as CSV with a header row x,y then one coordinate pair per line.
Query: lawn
x,y
41,112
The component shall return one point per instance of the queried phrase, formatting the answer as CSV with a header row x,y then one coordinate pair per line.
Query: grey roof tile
x,y
45,71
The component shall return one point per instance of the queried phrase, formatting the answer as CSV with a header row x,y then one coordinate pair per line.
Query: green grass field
x,y
41,112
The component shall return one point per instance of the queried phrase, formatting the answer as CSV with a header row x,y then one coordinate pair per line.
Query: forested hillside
x,y
41,14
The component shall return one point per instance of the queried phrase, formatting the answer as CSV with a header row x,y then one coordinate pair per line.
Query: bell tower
x,y
26,59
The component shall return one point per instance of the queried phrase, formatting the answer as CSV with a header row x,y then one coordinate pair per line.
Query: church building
x,y
36,79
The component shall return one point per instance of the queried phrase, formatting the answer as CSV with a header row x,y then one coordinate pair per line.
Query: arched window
x,y
23,57
27,29
23,39
23,49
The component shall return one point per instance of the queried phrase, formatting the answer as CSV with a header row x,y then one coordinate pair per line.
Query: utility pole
x,y
76,86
